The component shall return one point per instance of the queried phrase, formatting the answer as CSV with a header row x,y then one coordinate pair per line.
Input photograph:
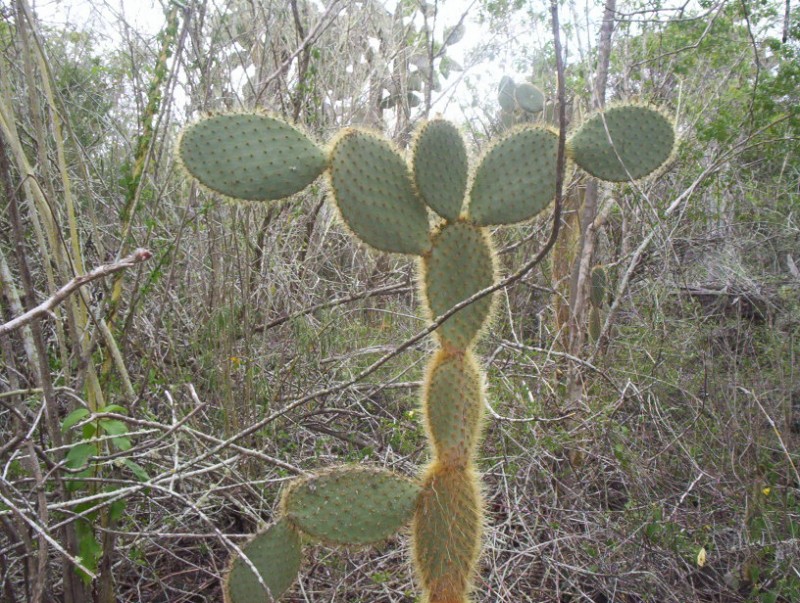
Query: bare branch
x,y
140,255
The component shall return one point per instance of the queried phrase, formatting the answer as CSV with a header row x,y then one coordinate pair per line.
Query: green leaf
x,y
116,510
116,408
113,427
74,418
122,444
137,470
276,553
89,549
79,454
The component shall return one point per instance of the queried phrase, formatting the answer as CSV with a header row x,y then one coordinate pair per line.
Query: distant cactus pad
x,y
516,179
276,553
459,265
440,167
351,505
641,142
453,407
505,94
599,286
529,97
372,188
595,324
252,157
447,534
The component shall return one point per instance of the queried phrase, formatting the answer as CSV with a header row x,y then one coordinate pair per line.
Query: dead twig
x,y
140,255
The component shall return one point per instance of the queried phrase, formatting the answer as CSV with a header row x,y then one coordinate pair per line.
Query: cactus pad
x,y
460,264
641,142
516,179
453,407
276,553
373,191
529,97
351,505
440,167
599,285
505,94
251,157
447,534
595,324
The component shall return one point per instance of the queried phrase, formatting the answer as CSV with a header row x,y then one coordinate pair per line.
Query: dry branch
x,y
140,255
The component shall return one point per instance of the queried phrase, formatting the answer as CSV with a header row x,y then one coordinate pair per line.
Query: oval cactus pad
x,y
460,264
453,407
351,505
276,553
516,179
623,143
441,168
250,157
373,191
529,97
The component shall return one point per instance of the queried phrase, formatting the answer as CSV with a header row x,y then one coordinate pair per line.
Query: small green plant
x,y
98,436
389,203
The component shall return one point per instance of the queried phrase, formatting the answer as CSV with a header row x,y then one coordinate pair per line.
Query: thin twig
x,y
140,255
777,433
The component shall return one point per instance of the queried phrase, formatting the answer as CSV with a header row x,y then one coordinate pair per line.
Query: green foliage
x,y
505,94
529,98
452,415
459,265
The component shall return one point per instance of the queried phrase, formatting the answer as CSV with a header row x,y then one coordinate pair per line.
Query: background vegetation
x,y
657,463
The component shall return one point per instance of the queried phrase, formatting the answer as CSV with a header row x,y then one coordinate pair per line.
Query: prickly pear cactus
x,y
518,102
385,201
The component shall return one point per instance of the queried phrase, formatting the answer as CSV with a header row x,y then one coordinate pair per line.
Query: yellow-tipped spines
x,y
447,529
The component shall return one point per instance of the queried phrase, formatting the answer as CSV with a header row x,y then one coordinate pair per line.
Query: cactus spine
x,y
385,201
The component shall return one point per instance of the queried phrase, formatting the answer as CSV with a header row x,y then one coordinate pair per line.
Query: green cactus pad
x,y
453,407
447,533
441,168
459,265
252,157
597,294
643,139
594,323
505,94
529,97
516,179
373,191
276,553
351,505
